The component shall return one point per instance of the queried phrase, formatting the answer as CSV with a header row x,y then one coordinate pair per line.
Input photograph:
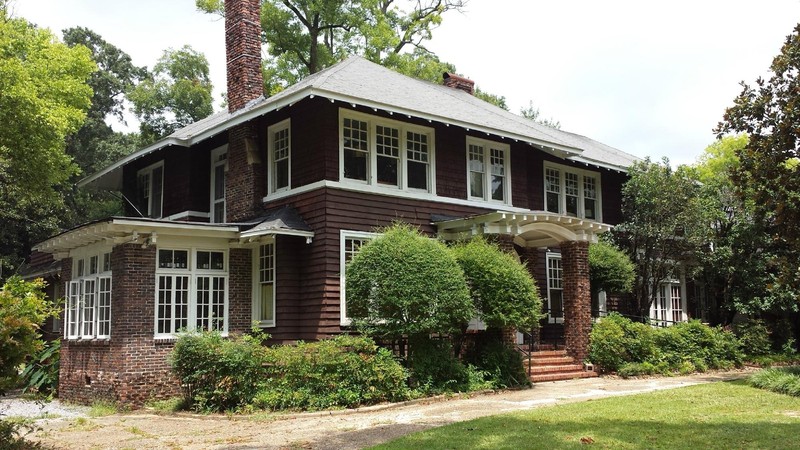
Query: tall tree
x,y
43,98
769,171
661,228
177,94
306,36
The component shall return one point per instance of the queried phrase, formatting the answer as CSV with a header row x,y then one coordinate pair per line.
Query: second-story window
x,y
280,149
219,163
150,190
386,153
487,170
571,192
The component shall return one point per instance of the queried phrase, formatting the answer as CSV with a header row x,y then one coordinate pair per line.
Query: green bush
x,y
616,340
610,269
783,380
635,369
754,337
701,345
41,372
13,433
435,369
502,289
345,371
219,374
501,363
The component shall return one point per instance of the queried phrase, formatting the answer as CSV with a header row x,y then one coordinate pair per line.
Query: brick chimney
x,y
245,183
243,52
458,82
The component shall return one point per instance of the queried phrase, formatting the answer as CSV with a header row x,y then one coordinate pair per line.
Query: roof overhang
x,y
535,229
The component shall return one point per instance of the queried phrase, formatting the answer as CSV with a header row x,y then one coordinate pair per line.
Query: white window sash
x,y
344,236
581,175
490,151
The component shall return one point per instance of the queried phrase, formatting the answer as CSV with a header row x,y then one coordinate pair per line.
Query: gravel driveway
x,y
13,405
346,429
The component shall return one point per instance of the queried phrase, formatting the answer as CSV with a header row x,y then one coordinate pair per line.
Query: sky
x,y
649,78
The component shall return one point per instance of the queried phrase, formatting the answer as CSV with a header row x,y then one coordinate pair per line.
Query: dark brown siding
x,y
612,183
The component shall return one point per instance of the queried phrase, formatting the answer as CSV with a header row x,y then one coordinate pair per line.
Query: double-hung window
x,y
555,288
572,192
488,171
386,153
88,304
280,151
264,286
350,243
191,291
219,166
150,190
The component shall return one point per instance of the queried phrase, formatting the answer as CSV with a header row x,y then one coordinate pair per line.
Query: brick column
x,y
577,298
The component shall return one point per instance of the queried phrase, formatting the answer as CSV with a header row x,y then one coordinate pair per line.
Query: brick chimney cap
x,y
454,77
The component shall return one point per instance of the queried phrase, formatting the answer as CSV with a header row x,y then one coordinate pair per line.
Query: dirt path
x,y
349,429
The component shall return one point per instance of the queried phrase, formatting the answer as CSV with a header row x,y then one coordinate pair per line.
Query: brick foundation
x,y
577,298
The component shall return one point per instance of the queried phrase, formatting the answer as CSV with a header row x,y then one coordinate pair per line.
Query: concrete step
x,y
541,378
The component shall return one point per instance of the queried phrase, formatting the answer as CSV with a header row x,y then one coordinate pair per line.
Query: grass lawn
x,y
718,415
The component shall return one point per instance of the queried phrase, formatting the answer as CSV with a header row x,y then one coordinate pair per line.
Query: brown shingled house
x,y
250,214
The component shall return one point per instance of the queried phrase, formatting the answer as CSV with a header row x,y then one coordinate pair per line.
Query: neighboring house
x,y
250,215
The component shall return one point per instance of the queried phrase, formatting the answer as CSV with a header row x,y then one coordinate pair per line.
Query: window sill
x,y
100,342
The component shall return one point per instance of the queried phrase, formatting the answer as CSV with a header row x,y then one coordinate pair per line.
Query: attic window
x,y
150,190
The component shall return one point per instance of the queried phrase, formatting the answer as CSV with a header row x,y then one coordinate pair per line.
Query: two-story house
x,y
251,214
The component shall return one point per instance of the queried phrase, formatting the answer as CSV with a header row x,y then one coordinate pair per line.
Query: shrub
x,y
703,346
616,340
345,371
403,283
435,369
219,373
754,337
783,380
501,363
503,291
635,369
41,372
610,269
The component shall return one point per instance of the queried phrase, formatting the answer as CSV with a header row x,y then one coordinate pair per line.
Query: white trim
x,y
551,256
256,291
77,294
391,192
271,178
403,128
582,173
188,213
487,147
343,236
216,162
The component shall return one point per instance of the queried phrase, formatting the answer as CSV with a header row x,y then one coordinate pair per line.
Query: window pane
x,y
219,212
387,170
355,165
356,149
81,267
217,261
552,188
571,193
572,206
417,175
203,260
282,174
417,155
88,314
589,197
556,303
219,182
552,202
267,310
280,157
498,188
155,198
93,263
590,207
106,262
476,184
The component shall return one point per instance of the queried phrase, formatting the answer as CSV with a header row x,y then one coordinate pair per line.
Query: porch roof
x,y
530,229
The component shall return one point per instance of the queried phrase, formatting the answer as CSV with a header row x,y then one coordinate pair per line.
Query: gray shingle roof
x,y
358,81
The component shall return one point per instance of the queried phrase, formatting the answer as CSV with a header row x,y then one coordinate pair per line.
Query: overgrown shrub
x,y
435,369
618,344
753,337
783,380
501,363
616,340
345,371
219,373
40,375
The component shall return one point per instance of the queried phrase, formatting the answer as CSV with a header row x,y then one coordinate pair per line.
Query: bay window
x,y
87,313
571,192
191,291
386,153
487,171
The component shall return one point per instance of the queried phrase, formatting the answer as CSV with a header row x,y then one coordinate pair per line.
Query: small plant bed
x,y
717,415
630,349
783,380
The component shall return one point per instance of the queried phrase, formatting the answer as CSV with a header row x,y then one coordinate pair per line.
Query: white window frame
x,y
149,171
345,235
219,157
663,312
552,256
82,321
372,167
562,194
271,130
489,146
257,284
194,275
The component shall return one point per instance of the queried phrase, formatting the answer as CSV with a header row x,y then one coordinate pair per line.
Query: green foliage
x,y
435,369
345,371
501,364
616,340
23,308
783,380
617,343
610,269
533,114
41,371
768,173
177,94
504,293
12,436
754,337
43,98
664,222
219,373
496,100
403,283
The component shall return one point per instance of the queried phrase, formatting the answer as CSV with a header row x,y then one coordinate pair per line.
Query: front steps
x,y
555,365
